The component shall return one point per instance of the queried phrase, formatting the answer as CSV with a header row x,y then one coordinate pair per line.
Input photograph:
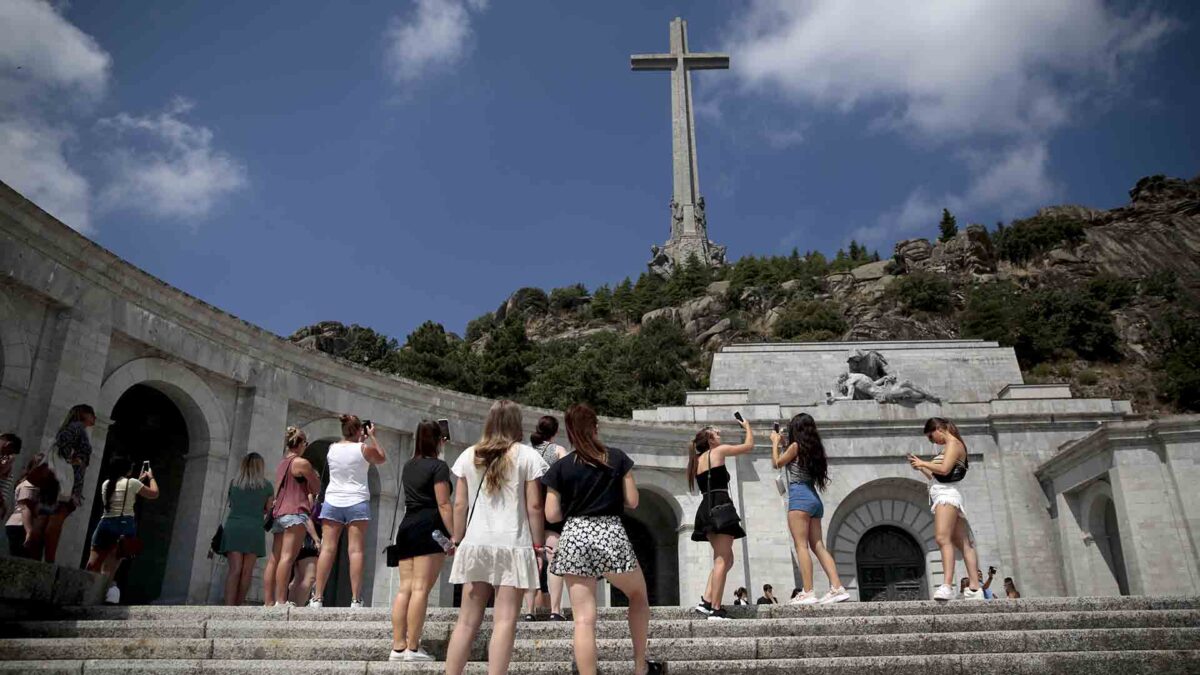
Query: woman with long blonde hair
x,y
950,527
498,532
242,538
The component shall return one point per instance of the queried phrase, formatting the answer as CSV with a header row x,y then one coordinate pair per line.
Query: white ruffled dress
x,y
498,547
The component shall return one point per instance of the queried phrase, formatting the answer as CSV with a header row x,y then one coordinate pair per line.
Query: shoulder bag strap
x,y
471,512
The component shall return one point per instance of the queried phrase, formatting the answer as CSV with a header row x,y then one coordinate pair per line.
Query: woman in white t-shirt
x,y
347,504
118,493
498,531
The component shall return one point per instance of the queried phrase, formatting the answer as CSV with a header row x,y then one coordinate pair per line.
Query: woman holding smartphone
x,y
119,492
950,528
347,504
706,468
807,472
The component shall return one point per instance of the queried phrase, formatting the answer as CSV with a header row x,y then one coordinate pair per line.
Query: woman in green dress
x,y
243,542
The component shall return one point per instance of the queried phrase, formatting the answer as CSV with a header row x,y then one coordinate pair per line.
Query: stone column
x,y
379,580
1158,557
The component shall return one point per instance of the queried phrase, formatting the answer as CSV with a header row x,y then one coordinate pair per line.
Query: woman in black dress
x,y
427,513
706,468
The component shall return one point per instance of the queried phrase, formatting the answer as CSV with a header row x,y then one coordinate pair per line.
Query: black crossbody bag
x,y
723,516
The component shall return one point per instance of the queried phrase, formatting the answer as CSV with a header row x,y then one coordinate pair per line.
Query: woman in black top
x,y
427,513
706,467
590,489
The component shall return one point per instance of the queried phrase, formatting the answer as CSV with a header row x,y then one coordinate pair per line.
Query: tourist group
x,y
519,520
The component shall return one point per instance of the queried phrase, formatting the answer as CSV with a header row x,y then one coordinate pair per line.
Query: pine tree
x,y
948,227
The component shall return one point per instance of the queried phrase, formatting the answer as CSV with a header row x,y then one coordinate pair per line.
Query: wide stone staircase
x,y
1052,635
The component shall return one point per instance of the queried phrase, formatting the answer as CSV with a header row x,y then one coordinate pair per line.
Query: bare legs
x,y
470,616
583,604
806,536
239,574
279,566
54,526
417,577
302,581
950,532
552,599
331,536
722,545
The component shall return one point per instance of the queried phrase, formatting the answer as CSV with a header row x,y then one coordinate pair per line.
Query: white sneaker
x,y
419,655
838,594
289,603
972,594
398,655
944,592
113,595
805,598
357,604
315,603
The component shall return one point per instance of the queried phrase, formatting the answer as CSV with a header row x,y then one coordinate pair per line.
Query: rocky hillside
x,y
1104,300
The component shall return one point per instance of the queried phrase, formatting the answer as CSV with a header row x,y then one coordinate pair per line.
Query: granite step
x,y
1148,662
450,614
440,630
332,648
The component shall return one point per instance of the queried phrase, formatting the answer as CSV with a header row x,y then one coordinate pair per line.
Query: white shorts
x,y
945,493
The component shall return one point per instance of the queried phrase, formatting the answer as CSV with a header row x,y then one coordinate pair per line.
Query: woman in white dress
x,y
498,532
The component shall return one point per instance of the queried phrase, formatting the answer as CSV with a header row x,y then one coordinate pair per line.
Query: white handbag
x,y
781,481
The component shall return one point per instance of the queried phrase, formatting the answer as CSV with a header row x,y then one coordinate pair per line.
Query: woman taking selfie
x,y
807,473
347,504
950,528
427,511
590,489
498,535
118,492
716,520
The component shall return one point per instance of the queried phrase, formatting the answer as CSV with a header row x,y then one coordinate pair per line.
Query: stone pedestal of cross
x,y
689,224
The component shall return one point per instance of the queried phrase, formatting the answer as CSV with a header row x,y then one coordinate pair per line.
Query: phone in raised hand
x,y
738,416
146,467
776,427
444,425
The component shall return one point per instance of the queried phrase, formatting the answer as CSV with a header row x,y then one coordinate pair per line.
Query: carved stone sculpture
x,y
867,379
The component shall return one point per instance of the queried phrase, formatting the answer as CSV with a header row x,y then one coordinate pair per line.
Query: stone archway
x,y
652,529
1103,531
898,503
188,571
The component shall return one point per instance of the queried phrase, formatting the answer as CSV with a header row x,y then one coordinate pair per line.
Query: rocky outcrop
x,y
331,337
968,253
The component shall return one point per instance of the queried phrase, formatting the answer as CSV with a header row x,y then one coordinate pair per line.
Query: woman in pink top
x,y
295,480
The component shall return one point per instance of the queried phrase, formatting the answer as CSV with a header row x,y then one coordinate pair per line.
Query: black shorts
x,y
414,536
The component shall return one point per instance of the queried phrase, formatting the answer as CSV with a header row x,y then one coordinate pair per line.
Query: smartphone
x,y
444,425
776,426
738,416
367,425
146,467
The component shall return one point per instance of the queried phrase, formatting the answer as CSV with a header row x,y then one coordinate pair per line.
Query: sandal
x,y
530,617
555,616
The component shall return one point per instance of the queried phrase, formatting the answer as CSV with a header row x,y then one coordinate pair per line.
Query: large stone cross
x,y
688,220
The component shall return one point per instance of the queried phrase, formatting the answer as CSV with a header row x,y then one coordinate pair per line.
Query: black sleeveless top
x,y
956,474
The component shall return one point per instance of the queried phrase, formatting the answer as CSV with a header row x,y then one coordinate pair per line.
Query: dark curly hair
x,y
802,430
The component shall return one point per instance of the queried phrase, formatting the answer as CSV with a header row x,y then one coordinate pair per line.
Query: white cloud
x,y
942,68
1007,184
167,167
33,162
49,71
969,73
435,36
781,139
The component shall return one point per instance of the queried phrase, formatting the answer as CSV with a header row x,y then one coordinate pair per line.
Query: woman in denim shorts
x,y
347,504
119,493
295,483
808,472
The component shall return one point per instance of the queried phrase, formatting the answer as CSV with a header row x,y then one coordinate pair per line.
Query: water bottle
x,y
442,541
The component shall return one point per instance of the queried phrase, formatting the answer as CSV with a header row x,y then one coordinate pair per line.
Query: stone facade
x,y
80,325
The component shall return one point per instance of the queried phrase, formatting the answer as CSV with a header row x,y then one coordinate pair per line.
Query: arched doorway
x,y
652,529
890,565
1106,533
146,426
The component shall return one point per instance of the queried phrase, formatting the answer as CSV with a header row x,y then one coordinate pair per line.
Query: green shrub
x,y
568,298
1025,239
922,291
1088,378
526,301
1163,284
948,227
1178,365
1112,291
810,321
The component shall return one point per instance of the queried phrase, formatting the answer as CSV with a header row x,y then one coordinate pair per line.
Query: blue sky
x,y
385,163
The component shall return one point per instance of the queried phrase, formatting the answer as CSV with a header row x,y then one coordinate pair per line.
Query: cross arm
x,y
652,61
706,61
